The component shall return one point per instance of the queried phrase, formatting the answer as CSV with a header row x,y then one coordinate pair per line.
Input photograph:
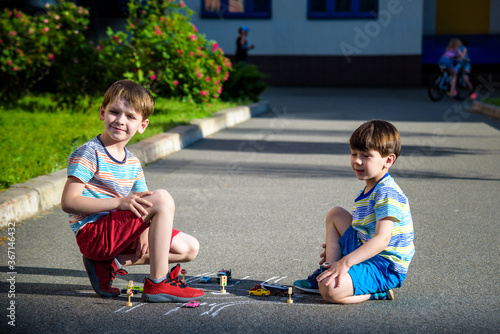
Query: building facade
x,y
357,43
349,42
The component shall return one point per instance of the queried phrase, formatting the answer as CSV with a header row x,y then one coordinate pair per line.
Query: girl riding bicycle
x,y
447,62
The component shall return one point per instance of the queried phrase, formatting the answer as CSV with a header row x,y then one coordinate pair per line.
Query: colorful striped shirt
x,y
104,177
386,199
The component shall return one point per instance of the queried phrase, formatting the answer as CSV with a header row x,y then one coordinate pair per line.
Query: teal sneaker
x,y
310,284
384,295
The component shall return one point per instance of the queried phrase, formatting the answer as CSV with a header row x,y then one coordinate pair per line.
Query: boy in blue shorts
x,y
464,64
117,221
367,253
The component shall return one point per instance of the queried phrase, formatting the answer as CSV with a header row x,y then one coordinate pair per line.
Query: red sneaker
x,y
102,274
170,290
473,96
114,270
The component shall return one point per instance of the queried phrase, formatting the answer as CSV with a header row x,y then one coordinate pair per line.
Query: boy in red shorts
x,y
116,219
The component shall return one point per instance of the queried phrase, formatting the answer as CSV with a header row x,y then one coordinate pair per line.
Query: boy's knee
x,y
335,212
327,293
194,248
186,246
163,198
330,294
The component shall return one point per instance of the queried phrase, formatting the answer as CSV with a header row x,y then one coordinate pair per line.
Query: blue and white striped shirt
x,y
386,199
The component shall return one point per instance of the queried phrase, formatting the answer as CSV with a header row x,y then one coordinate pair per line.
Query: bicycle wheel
x,y
433,89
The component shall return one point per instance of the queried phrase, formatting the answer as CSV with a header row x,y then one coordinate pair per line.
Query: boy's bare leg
x,y
467,81
184,248
337,222
342,294
161,218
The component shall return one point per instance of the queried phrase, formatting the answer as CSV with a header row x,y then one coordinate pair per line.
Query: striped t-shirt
x,y
104,177
386,199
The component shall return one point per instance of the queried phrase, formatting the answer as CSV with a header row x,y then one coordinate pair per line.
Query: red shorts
x,y
112,235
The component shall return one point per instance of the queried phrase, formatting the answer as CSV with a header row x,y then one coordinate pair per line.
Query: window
x,y
339,9
259,9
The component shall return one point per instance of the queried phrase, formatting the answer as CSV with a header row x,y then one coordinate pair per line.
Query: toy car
x,y
193,303
205,279
135,289
138,288
259,292
224,272
278,287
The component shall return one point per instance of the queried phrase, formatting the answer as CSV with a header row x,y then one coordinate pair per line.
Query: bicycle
x,y
440,84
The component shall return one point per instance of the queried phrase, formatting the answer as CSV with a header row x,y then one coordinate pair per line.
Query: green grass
x,y
493,100
38,134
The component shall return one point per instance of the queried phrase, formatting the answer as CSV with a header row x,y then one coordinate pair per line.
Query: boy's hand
x,y
333,271
142,244
323,255
136,203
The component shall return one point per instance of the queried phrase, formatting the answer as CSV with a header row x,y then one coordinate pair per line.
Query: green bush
x,y
31,47
245,83
162,50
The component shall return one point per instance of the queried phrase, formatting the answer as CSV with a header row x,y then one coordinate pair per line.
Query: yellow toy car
x,y
259,292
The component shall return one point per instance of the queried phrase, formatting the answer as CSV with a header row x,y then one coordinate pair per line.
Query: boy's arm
x,y
72,200
369,249
375,245
461,54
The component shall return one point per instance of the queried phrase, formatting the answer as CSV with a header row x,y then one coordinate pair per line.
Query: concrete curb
x,y
486,109
24,200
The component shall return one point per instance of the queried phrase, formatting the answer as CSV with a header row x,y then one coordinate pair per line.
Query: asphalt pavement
x,y
255,195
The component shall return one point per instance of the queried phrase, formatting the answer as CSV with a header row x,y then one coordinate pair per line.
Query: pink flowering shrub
x,y
163,50
34,46
159,48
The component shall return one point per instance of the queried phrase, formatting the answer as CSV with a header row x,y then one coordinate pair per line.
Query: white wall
x,y
397,31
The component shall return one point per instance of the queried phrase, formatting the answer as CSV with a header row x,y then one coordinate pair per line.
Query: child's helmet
x,y
245,28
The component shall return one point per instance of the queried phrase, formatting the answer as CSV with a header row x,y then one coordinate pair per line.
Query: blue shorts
x,y
373,275
446,63
463,64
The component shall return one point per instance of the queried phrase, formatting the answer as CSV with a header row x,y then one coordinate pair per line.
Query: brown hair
x,y
455,43
377,135
139,97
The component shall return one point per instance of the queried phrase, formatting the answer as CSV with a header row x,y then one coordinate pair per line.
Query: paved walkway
x,y
255,196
